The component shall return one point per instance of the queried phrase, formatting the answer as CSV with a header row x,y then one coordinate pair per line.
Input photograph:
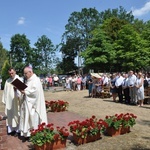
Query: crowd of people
x,y
128,87
70,82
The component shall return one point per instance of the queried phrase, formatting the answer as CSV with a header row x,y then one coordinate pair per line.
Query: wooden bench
x,y
105,92
147,95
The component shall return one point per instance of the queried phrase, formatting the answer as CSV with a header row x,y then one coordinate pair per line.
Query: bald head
x,y
28,72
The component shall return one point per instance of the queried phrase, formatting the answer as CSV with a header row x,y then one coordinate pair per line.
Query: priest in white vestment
x,y
33,109
11,98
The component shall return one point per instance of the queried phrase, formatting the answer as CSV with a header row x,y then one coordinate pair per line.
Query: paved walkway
x,y
57,118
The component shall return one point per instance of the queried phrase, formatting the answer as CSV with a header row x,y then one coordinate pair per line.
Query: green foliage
x,y
44,54
4,73
100,51
119,13
91,126
4,56
20,52
107,41
117,120
46,133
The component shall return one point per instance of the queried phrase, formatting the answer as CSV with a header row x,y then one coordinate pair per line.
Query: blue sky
x,y
35,18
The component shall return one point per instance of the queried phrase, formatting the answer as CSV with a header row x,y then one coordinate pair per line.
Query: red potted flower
x,y
57,106
88,130
48,138
119,123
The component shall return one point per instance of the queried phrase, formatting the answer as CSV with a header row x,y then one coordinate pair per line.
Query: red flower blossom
x,y
86,127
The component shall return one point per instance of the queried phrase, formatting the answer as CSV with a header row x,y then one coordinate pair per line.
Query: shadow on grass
x,y
146,107
145,122
139,147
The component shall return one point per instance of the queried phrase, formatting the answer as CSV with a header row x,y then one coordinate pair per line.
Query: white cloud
x,y
21,21
142,11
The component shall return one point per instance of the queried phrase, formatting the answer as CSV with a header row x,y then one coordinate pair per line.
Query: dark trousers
x,y
120,95
126,95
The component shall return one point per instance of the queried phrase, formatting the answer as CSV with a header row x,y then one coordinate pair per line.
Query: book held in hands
x,y
19,84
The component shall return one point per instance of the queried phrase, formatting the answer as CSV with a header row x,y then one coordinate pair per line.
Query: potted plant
x,y
87,130
118,123
57,106
128,120
48,138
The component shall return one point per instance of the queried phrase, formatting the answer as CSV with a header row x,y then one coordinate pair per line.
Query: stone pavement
x,y
57,118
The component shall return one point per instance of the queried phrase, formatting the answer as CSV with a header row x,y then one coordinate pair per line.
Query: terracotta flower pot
x,y
43,147
125,130
78,140
111,131
59,144
52,146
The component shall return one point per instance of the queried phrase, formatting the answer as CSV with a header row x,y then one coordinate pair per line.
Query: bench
x,y
147,95
105,93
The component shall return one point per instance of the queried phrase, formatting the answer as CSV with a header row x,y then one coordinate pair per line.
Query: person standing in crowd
x,y
113,88
105,80
132,88
118,84
11,99
84,80
56,80
94,83
33,110
90,84
140,89
79,81
126,89
74,82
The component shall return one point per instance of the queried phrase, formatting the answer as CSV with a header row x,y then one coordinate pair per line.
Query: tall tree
x,y
4,72
45,53
111,26
4,56
20,52
78,29
119,13
132,50
99,55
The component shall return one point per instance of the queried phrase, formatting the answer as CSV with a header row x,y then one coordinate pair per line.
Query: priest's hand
x,y
22,91
15,89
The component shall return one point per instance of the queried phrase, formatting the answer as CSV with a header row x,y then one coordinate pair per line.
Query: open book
x,y
19,84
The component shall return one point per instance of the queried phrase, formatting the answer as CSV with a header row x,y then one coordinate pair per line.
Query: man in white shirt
x,y
132,88
11,99
33,110
118,84
126,89
56,80
105,80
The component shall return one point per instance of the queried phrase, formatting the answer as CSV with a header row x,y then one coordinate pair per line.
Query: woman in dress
x,y
90,84
113,88
140,89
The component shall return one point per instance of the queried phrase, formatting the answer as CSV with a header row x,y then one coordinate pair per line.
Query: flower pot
x,y
125,130
59,144
78,140
93,138
43,147
111,131
49,146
